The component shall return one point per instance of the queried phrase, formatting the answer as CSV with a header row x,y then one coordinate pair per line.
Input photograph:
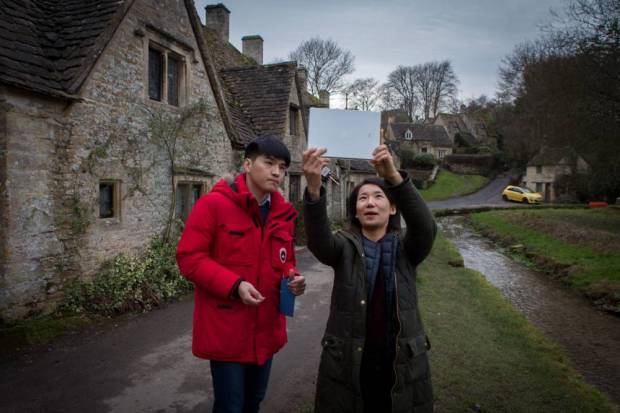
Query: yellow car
x,y
520,194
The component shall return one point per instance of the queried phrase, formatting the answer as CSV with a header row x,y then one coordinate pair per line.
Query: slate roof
x,y
257,96
554,156
435,134
49,46
260,96
224,54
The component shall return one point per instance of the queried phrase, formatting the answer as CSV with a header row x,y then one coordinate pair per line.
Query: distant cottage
x,y
421,138
552,172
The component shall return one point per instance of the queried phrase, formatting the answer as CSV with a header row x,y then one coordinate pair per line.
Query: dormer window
x,y
408,135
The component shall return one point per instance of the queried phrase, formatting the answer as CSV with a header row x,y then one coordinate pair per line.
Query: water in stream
x,y
590,337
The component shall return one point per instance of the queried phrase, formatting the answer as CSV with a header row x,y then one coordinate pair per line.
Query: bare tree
x,y
436,85
401,89
363,94
444,83
325,62
423,89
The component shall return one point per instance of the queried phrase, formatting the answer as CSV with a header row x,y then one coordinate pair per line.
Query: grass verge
x,y
485,355
448,185
579,246
40,330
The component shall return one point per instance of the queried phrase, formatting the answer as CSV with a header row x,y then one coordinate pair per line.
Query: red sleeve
x,y
193,253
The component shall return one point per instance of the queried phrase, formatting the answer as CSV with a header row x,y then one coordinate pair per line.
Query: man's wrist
x,y
234,291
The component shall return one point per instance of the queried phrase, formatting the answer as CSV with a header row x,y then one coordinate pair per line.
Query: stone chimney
x,y
302,75
324,97
391,118
217,17
252,46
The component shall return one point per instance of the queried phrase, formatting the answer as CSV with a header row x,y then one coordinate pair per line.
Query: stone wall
x,y
58,152
37,221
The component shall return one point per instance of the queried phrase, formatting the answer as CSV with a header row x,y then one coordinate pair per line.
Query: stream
x,y
591,338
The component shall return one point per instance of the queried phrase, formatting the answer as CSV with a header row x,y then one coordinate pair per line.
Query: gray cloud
x,y
475,35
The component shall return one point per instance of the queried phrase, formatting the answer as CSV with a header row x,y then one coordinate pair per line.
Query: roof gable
x,y
262,94
50,46
555,156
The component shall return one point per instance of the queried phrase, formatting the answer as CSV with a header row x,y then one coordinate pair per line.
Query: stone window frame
x,y
116,198
192,181
171,48
293,120
441,153
408,135
539,187
294,179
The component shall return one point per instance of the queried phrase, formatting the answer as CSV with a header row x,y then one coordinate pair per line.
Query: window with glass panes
x,y
187,194
109,199
165,75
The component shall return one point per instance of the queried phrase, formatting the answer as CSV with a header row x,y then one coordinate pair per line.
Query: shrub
x,y
426,161
406,158
128,283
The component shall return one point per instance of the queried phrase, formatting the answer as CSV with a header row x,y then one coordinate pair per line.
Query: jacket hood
x,y
236,189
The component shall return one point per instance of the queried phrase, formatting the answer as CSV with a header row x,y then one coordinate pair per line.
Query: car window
x,y
517,190
527,191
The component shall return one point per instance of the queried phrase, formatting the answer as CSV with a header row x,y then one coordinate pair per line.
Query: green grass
x,y
581,246
485,353
448,185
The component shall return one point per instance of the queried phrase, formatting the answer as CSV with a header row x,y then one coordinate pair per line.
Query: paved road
x,y
489,195
144,363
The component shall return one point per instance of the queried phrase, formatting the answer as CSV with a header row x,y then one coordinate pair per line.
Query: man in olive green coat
x,y
374,355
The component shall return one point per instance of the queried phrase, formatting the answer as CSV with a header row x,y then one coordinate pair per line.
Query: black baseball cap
x,y
268,146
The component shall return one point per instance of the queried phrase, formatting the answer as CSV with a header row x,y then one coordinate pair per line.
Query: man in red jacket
x,y
236,247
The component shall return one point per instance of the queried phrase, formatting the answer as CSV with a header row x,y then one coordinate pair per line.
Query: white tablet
x,y
348,134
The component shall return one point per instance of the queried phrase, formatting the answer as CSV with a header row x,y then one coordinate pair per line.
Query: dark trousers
x,y
237,387
376,380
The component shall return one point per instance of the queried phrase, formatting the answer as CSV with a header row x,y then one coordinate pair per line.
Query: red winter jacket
x,y
223,240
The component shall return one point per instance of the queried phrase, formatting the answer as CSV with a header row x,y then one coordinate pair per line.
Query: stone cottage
x,y
115,116
551,172
420,138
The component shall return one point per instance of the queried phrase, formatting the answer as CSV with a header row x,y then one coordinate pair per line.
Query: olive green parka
x,y
338,385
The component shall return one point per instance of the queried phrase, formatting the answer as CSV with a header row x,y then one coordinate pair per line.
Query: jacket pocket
x,y
417,367
332,363
234,244
226,328
281,249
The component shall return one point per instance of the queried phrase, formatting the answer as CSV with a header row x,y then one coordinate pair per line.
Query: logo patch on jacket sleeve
x,y
283,255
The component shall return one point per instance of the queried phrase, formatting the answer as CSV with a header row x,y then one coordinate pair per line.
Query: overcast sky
x,y
474,34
